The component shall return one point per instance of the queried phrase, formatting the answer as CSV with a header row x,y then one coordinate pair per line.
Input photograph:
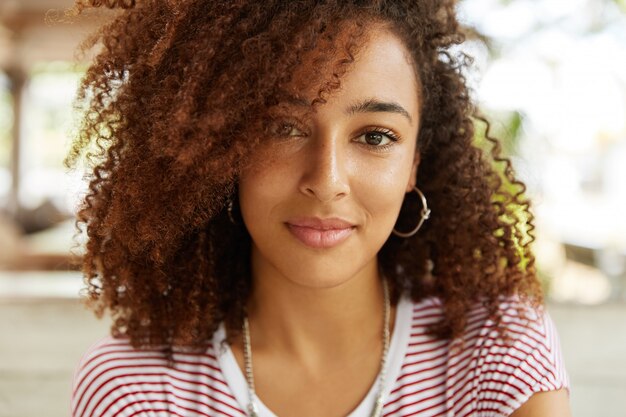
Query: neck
x,y
316,325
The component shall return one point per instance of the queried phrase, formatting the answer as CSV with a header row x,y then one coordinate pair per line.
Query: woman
x,y
288,217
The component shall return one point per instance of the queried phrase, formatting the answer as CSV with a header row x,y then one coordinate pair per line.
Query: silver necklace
x,y
253,409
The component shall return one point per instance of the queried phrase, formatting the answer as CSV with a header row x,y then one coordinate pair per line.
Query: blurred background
x,y
550,75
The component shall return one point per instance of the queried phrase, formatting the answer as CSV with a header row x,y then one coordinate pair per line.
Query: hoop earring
x,y
425,214
230,210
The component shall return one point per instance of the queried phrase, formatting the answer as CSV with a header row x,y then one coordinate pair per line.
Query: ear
x,y
413,177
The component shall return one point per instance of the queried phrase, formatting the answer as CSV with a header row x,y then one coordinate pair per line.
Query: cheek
x,y
261,191
380,192
384,182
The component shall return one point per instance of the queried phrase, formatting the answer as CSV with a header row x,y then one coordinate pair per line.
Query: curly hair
x,y
176,101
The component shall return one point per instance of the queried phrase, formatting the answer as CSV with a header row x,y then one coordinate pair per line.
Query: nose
x,y
326,171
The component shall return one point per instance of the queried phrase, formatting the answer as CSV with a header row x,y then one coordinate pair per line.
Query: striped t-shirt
x,y
426,377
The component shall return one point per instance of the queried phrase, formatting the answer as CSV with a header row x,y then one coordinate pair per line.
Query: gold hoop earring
x,y
425,214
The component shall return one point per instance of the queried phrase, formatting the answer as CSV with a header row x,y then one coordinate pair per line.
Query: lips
x,y
320,233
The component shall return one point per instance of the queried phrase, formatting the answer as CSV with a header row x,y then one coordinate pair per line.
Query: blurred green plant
x,y
588,19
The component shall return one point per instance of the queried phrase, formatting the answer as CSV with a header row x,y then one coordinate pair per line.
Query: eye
x,y
378,137
286,129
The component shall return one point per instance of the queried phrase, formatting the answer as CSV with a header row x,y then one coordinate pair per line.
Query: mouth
x,y
320,233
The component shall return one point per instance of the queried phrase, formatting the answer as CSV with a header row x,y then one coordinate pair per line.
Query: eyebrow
x,y
372,105
368,105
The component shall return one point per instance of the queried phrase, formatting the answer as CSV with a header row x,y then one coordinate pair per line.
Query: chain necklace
x,y
253,410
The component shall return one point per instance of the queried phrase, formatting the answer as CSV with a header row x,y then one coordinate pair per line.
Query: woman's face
x,y
321,197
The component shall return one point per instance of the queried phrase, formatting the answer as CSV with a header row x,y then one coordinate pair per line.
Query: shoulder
x,y
113,378
103,374
520,322
501,366
493,369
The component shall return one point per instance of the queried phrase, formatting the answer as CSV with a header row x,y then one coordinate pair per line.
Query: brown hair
x,y
177,99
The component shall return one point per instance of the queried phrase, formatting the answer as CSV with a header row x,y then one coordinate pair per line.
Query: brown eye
x,y
378,138
374,138
286,129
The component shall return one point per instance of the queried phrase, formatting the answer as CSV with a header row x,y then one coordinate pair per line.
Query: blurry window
x,y
6,122
47,132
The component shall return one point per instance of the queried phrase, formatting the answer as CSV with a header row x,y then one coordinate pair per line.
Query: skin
x,y
323,355
548,404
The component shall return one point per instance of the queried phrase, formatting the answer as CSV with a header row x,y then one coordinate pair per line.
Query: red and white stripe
x,y
483,377
113,379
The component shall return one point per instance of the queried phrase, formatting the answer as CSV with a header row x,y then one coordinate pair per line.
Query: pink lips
x,y
320,233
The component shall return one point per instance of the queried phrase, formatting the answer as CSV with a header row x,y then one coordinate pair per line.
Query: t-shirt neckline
x,y
397,349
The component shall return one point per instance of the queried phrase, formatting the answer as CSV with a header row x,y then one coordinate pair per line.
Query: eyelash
x,y
393,137
389,133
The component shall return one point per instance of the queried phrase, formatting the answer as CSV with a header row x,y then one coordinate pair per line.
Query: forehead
x,y
382,68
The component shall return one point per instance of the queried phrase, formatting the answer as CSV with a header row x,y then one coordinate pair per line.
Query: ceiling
x,y
31,31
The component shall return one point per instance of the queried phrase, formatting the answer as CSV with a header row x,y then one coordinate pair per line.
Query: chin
x,y
312,269
318,277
